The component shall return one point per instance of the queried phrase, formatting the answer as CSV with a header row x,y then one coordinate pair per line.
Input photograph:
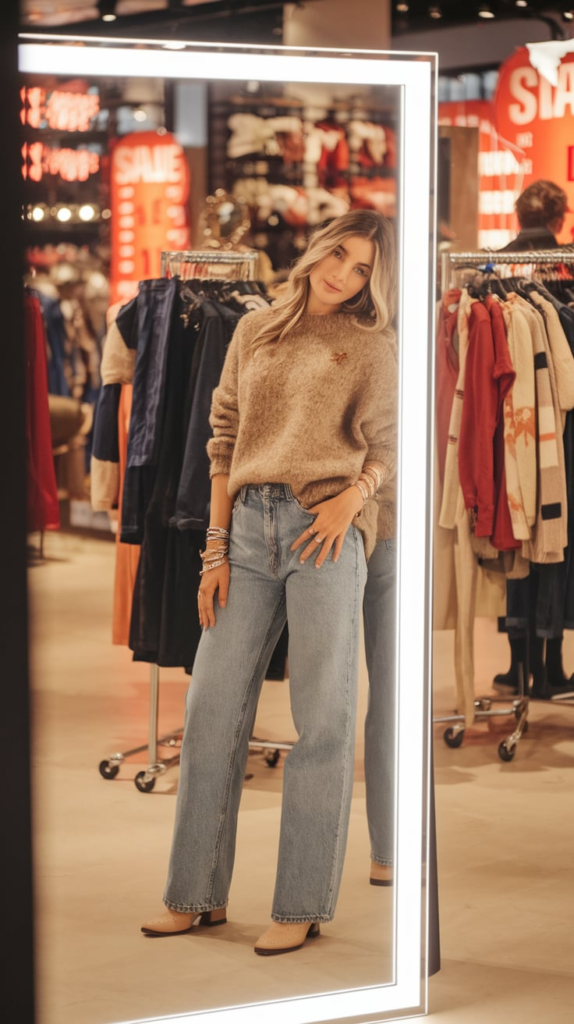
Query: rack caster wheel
x,y
504,753
107,770
142,785
453,739
273,758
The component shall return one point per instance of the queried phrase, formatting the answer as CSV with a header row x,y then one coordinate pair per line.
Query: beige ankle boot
x,y
173,923
283,937
381,874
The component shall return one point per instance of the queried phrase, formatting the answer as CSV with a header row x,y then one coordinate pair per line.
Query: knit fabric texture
x,y
520,425
549,537
309,411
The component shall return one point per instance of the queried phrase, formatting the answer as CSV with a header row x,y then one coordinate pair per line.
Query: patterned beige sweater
x,y
309,411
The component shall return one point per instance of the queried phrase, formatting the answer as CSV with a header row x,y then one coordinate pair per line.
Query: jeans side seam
x,y
233,753
345,767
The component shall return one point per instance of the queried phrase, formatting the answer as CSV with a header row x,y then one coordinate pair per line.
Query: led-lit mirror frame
x,y
415,74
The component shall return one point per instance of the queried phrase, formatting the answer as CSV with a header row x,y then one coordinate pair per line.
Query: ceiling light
x,y
140,114
106,214
107,10
521,3
38,213
435,12
403,8
86,213
485,11
569,15
64,214
174,46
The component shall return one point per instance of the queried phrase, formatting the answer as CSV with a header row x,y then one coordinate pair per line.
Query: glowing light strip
x,y
414,482
124,62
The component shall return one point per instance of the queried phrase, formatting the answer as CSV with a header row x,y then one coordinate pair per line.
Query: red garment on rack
x,y
478,422
43,512
446,371
504,375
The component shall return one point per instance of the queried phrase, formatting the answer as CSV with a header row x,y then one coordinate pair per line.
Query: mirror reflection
x,y
235,404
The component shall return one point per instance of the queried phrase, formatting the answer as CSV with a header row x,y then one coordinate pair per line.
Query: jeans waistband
x,y
278,492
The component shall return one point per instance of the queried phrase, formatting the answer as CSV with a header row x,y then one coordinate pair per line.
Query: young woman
x,y
304,436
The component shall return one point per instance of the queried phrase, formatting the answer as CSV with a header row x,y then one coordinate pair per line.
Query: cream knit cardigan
x,y
309,411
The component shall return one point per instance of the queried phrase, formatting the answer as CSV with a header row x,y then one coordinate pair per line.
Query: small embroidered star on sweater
x,y
309,411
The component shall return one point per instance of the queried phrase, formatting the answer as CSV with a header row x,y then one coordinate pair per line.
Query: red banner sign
x,y
502,170
149,203
538,119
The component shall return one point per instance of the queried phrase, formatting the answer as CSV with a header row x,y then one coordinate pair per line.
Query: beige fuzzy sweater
x,y
310,411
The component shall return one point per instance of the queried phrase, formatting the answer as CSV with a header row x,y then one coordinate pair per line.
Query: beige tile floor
x,y
505,843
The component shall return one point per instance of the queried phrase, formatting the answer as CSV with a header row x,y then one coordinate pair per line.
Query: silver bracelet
x,y
210,566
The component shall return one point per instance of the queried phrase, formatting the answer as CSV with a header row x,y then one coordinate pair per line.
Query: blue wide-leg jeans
x,y
269,586
379,617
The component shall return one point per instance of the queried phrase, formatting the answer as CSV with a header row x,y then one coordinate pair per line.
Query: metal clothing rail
x,y
195,264
244,265
518,705
449,260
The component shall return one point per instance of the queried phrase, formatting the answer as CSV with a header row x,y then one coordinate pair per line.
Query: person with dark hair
x,y
541,210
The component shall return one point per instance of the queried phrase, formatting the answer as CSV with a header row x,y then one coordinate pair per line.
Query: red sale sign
x,y
537,117
149,203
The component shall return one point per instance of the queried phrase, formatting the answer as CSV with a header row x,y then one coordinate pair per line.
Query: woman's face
x,y
339,276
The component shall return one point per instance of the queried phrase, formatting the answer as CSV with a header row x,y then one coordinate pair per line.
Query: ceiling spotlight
x,y
485,11
86,213
38,213
64,214
521,3
403,8
140,114
106,214
568,15
435,12
107,10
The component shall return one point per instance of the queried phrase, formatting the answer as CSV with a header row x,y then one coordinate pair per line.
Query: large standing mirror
x,y
277,142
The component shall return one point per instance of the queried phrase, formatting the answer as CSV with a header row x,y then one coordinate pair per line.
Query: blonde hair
x,y
374,306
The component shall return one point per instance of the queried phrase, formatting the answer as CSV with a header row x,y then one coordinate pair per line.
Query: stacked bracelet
x,y
369,481
217,549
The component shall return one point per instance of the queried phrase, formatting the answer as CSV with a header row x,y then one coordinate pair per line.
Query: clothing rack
x,y
194,264
188,264
449,260
518,706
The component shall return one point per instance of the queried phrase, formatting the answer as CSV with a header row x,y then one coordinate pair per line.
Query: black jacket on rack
x,y
180,331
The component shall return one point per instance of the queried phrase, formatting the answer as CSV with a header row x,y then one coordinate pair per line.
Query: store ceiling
x,y
173,15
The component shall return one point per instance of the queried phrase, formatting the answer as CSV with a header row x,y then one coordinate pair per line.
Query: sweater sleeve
x,y
380,422
224,415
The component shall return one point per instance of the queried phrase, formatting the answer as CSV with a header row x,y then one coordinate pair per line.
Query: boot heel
x,y
314,930
212,917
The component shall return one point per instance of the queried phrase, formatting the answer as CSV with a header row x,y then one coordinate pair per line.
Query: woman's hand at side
x,y
216,581
328,531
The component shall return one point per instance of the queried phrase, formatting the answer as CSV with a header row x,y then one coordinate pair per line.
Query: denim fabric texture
x,y
105,444
268,587
379,617
194,491
56,337
146,324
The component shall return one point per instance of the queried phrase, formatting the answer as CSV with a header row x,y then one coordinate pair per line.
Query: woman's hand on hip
x,y
212,582
328,531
